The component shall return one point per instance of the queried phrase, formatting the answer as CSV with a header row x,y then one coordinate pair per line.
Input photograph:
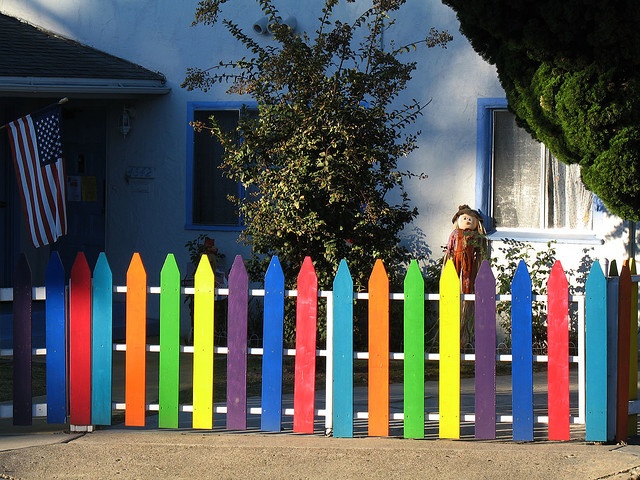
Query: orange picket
x,y
378,351
135,360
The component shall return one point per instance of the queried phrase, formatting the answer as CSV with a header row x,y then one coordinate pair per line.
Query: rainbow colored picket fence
x,y
79,351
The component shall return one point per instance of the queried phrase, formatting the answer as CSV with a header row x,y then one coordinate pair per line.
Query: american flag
x,y
36,145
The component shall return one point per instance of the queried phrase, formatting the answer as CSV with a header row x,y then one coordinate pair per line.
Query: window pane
x,y
569,202
516,174
210,187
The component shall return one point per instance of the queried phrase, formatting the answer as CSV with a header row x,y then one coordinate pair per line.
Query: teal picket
x,y
596,353
522,355
273,340
56,341
102,339
343,352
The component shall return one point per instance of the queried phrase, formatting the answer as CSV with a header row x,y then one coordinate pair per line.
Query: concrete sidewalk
x,y
48,451
132,453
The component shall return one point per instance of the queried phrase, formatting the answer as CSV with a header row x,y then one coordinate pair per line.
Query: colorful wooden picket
x,y
485,374
56,341
522,355
343,353
22,297
633,349
608,328
596,353
624,331
203,359
378,385
169,378
136,339
558,353
102,340
273,332
80,343
305,364
449,373
414,352
612,348
237,344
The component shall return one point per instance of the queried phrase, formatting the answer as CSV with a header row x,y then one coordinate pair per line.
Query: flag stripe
x,y
16,131
40,174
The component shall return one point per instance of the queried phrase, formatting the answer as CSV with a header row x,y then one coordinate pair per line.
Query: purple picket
x,y
485,331
237,343
22,298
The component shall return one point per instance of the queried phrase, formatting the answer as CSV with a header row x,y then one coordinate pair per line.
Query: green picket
x,y
414,352
169,379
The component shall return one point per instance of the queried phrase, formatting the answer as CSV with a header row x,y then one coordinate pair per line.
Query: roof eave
x,y
84,86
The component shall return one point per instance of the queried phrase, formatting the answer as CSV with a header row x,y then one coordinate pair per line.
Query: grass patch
x,y
38,378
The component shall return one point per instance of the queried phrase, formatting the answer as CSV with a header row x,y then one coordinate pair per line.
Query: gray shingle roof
x,y
27,51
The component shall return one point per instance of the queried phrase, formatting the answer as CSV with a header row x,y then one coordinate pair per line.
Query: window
x,y
208,206
521,186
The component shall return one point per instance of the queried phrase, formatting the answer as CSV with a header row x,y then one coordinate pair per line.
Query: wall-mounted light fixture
x,y
124,122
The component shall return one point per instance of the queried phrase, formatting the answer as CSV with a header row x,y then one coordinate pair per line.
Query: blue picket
x,y
101,338
273,328
343,352
522,355
596,355
56,334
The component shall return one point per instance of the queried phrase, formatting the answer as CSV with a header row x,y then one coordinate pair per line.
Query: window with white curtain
x,y
530,189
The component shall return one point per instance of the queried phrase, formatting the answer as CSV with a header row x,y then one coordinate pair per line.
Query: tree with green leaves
x,y
320,159
570,70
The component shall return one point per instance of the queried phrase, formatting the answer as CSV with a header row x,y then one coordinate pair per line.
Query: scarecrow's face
x,y
467,222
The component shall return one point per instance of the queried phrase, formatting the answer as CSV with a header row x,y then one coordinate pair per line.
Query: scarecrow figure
x,y
467,247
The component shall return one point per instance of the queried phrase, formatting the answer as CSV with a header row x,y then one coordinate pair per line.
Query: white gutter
x,y
82,85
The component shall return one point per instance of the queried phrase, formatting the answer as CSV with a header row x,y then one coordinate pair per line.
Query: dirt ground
x,y
193,455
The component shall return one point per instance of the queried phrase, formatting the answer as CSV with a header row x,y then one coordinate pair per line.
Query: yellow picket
x,y
203,320
449,396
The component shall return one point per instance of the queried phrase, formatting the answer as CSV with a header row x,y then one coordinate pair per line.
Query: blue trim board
x,y
192,107
484,132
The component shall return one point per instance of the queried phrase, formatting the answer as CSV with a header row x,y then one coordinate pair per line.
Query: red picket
x,y
80,343
558,346
305,363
